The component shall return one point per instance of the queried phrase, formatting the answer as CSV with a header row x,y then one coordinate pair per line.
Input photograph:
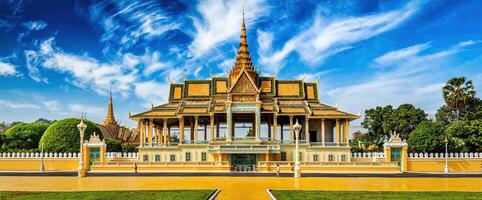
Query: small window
x,y
188,156
203,156
173,157
331,158
145,157
315,157
158,157
300,156
283,156
343,157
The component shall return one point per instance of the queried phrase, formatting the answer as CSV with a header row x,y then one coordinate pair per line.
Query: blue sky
x,y
60,58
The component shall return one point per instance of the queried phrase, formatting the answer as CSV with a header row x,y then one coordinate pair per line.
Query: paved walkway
x,y
237,187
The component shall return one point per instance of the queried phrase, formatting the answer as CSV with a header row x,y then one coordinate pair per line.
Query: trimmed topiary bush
x,y
23,136
63,135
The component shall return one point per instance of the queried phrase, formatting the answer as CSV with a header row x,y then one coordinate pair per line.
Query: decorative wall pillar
x,y
149,139
164,131
181,129
307,129
346,131
211,127
337,128
291,128
229,120
196,121
322,132
275,127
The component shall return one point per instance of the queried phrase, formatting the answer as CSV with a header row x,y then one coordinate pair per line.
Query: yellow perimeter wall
x,y
438,165
33,164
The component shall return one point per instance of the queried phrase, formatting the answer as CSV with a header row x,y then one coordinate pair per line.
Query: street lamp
x,y
297,128
446,156
81,126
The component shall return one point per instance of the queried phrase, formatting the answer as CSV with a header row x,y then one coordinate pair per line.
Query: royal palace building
x,y
243,121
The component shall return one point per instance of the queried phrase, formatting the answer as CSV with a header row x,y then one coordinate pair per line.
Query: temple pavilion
x,y
243,120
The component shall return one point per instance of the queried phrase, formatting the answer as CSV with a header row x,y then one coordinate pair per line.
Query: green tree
x,y
24,136
428,137
466,135
405,119
44,121
458,93
63,135
380,121
113,145
474,111
375,122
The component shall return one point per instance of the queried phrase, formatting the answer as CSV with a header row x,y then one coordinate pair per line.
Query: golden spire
x,y
110,119
243,59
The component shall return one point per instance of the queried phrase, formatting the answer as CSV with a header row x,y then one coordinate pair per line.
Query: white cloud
x,y
51,105
35,25
86,71
128,22
152,92
7,69
401,54
93,110
17,105
326,37
416,79
220,22
311,77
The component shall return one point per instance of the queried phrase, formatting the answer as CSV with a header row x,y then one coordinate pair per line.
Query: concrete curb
x,y
214,194
270,194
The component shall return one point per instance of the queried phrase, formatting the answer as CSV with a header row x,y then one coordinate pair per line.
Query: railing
x,y
368,155
159,163
442,155
244,139
245,147
38,155
303,163
121,155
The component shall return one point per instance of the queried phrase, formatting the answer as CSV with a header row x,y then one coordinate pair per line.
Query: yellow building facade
x,y
243,121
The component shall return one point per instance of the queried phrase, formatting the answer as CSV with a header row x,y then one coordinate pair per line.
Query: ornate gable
x,y
244,85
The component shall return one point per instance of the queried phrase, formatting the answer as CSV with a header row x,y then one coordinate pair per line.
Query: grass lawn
x,y
116,195
359,195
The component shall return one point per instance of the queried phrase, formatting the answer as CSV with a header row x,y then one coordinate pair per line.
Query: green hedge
x,y
23,136
63,135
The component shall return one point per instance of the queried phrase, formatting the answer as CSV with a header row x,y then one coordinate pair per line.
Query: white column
x,y
258,122
229,121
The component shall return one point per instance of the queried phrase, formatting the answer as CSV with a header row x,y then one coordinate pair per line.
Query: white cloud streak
x,y
327,37
7,69
414,79
220,22
17,105
35,25
126,23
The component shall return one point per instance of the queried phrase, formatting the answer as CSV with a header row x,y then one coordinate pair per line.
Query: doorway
x,y
243,162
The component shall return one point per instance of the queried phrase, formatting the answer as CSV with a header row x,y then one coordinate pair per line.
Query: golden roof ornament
x,y
110,118
94,138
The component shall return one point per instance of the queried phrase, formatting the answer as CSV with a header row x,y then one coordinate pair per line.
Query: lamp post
x,y
446,156
81,126
297,128
42,167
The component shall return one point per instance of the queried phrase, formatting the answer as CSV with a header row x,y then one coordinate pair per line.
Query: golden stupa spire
x,y
110,119
243,59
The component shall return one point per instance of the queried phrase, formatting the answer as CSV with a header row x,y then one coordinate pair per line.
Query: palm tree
x,y
458,93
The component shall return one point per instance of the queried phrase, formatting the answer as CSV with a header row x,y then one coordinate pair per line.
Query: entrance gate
x,y
243,162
